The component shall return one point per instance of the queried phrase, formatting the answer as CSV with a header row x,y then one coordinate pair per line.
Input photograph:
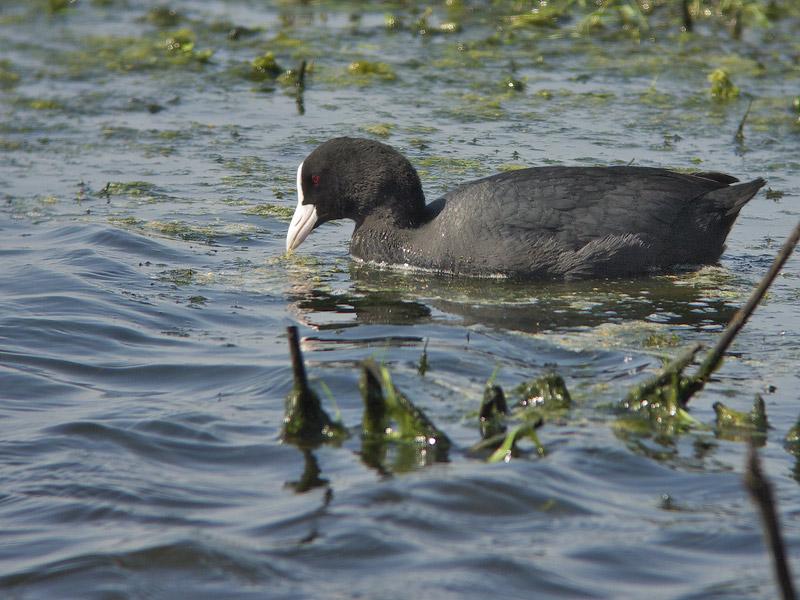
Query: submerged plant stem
x,y
740,130
298,367
673,369
761,493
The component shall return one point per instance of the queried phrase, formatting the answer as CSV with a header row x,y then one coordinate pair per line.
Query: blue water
x,y
143,358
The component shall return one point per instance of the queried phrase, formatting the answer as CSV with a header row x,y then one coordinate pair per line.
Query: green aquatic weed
x,y
270,210
510,83
265,67
179,276
181,40
8,75
390,414
518,432
722,88
181,230
451,164
545,16
364,69
659,403
127,188
124,221
383,130
547,393
737,425
305,422
392,22
661,340
792,440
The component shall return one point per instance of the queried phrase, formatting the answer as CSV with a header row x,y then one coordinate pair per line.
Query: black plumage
x,y
544,222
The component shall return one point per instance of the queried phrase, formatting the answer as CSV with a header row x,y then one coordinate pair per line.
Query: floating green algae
x,y
124,221
270,210
364,71
133,189
393,22
10,145
510,83
505,167
477,107
265,67
161,50
8,74
179,277
43,104
722,88
251,169
179,229
451,164
543,16
383,130
422,25
287,42
182,43
248,164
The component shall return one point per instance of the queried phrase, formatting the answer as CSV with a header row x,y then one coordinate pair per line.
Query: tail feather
x,y
731,199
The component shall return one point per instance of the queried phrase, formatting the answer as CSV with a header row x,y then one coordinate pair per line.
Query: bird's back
x,y
583,221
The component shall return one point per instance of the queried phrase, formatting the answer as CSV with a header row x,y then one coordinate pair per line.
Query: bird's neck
x,y
381,236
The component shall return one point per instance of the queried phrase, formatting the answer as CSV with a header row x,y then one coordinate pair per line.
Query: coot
x,y
541,222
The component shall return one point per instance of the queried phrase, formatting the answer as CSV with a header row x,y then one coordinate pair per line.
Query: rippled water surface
x,y
144,297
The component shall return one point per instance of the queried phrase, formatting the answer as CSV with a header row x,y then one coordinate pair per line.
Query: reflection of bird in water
x,y
382,297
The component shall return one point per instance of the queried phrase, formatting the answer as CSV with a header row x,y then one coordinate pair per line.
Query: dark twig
x,y
714,357
298,367
739,137
687,16
761,493
301,75
300,87
736,30
671,370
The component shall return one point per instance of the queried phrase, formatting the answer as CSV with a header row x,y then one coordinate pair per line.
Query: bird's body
x,y
545,222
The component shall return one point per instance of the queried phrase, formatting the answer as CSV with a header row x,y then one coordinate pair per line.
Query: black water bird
x,y
542,222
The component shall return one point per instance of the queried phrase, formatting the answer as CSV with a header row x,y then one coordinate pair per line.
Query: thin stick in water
x,y
739,137
714,357
761,493
298,367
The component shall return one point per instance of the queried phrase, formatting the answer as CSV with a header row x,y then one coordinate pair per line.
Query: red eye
x,y
315,179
